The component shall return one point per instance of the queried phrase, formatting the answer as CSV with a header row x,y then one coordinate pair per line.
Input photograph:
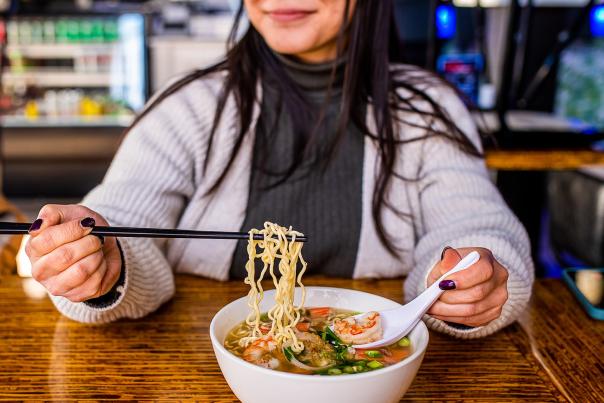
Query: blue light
x,y
446,21
597,20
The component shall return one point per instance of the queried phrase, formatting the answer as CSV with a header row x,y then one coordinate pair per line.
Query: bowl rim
x,y
316,378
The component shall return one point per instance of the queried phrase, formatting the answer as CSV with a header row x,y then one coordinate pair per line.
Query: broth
x,y
324,352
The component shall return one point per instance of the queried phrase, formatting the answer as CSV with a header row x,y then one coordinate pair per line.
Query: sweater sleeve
x,y
461,207
147,185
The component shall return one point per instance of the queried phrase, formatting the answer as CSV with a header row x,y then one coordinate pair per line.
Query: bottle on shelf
x,y
37,31
96,35
24,32
61,31
51,103
49,31
110,31
73,31
31,110
13,32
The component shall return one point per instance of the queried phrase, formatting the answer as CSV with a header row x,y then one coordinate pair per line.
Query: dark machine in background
x,y
522,72
546,72
542,88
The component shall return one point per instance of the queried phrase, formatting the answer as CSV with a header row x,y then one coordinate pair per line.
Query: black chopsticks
x,y
9,228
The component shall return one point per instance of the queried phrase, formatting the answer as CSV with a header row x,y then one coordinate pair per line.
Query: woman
x,y
306,124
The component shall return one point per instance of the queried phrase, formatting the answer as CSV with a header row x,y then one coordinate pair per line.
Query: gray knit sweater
x,y
158,179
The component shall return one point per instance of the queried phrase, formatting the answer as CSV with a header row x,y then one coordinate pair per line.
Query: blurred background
x,y
73,74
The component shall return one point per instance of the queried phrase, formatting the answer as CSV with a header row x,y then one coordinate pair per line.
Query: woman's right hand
x,y
66,259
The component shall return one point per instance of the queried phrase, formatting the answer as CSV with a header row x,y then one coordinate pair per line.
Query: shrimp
x,y
359,330
262,352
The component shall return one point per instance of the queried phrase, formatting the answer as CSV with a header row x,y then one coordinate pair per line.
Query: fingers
x,y
64,256
85,270
50,237
91,288
474,321
66,259
111,276
450,257
471,312
52,214
100,283
470,295
91,277
478,273
476,293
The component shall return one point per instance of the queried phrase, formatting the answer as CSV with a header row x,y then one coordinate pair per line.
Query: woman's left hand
x,y
476,295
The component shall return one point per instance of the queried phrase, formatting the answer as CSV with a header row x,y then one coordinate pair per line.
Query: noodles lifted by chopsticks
x,y
284,315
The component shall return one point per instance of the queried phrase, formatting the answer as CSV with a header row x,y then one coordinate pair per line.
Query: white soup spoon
x,y
398,322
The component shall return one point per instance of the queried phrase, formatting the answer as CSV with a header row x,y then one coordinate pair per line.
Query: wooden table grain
x,y
553,354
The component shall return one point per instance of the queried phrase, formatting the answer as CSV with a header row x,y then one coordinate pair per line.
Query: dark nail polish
x,y
87,222
447,285
36,225
442,255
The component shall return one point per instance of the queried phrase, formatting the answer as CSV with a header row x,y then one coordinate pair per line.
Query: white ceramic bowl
x,y
253,384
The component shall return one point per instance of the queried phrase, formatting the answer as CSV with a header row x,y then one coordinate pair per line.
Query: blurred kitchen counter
x,y
58,157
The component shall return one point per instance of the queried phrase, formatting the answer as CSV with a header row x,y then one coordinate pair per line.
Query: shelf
x,y
21,122
60,50
529,121
60,79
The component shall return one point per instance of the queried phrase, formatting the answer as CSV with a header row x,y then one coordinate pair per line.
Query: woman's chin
x,y
296,42
286,46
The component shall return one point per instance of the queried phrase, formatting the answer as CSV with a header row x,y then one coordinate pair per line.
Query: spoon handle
x,y
422,303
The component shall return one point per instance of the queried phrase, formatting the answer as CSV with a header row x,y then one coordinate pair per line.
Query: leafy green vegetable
x,y
264,317
330,335
340,348
289,354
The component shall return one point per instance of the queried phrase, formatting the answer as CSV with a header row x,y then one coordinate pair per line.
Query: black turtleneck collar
x,y
314,77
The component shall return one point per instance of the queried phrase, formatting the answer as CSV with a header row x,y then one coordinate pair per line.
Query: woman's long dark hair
x,y
369,79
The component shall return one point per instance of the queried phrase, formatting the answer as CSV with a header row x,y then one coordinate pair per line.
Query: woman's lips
x,y
287,15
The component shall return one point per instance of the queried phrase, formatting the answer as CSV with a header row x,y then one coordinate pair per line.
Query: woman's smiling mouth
x,y
289,15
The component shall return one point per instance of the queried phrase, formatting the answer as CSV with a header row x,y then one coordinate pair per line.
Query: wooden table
x,y
553,354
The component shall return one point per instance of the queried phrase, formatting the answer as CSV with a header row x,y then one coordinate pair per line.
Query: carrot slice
x,y
360,354
396,355
303,326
